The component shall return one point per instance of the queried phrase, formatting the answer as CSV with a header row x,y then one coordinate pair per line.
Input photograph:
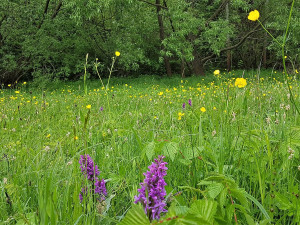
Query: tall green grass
x,y
244,136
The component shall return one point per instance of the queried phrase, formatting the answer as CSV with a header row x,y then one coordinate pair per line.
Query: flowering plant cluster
x,y
91,173
240,82
152,192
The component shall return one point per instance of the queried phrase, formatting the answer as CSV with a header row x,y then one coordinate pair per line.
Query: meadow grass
x,y
250,135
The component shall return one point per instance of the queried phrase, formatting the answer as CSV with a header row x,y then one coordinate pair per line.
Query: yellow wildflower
x,y
180,115
216,72
17,92
9,85
203,109
49,135
253,15
117,53
88,106
240,82
160,93
75,138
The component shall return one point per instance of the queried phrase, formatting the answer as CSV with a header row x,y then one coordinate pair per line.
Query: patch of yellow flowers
x,y
240,82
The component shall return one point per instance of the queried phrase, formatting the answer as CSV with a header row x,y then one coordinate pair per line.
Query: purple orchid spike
x,y
91,171
87,167
152,192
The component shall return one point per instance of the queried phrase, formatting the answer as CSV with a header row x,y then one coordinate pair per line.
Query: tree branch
x,y
45,12
217,12
243,39
153,4
46,6
56,10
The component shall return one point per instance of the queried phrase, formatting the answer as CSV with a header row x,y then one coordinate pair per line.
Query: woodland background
x,y
49,39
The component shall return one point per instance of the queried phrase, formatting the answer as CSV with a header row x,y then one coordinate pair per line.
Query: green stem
x,y
270,34
96,66
84,77
110,71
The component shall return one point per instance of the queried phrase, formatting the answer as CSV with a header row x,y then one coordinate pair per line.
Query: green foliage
x,y
135,216
50,41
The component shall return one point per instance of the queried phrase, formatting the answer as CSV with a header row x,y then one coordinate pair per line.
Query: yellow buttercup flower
x,y
180,115
75,138
17,92
216,72
253,15
160,93
117,53
240,82
203,109
88,106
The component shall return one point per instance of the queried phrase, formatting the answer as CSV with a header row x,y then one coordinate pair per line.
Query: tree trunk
x,y
182,69
197,64
198,68
162,37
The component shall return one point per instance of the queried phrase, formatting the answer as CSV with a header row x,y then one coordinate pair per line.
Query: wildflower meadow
x,y
145,150
220,150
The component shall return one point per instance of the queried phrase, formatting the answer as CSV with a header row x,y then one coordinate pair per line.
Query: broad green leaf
x,y
135,216
205,209
214,190
283,202
170,150
239,194
149,150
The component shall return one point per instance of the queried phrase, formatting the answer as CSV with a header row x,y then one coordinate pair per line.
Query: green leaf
x,y
249,219
262,209
149,150
214,190
175,210
283,203
204,209
264,222
185,162
135,216
170,150
192,219
239,194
